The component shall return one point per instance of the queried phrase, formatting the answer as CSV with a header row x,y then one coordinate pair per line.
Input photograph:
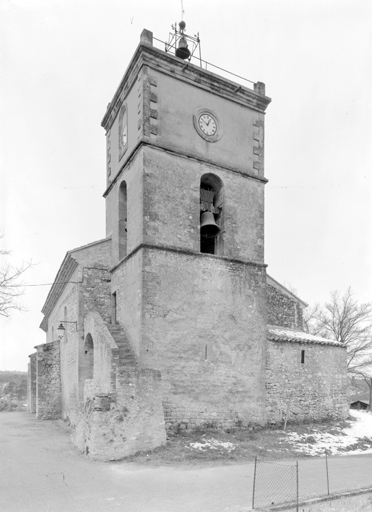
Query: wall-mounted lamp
x,y
61,328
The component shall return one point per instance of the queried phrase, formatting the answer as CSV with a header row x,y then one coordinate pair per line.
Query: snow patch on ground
x,y
342,441
212,444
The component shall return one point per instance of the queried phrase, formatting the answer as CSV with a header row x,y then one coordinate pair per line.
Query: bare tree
x,y
11,286
346,320
310,318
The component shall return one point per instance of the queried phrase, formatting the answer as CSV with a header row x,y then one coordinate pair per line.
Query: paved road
x,y
40,470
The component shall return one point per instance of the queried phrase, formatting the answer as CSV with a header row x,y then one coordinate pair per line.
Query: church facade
x,y
171,322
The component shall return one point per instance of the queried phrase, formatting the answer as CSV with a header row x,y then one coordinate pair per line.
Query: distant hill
x,y
13,390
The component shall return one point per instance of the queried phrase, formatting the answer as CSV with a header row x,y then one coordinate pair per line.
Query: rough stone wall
x,y
48,381
115,425
31,384
313,390
96,291
132,175
282,310
205,330
172,206
94,254
199,319
127,283
29,400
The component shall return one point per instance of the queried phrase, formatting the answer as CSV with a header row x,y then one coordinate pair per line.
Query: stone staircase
x,y
127,357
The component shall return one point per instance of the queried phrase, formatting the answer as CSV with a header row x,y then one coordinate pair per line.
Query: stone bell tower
x,y
185,210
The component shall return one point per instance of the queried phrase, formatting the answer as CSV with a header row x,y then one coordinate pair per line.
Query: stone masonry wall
x,y
315,389
31,384
205,329
95,288
48,381
119,424
282,310
171,206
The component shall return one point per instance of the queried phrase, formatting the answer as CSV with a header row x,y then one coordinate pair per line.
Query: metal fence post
x,y
327,474
254,481
297,485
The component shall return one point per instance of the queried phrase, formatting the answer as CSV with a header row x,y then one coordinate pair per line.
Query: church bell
x,y
208,226
183,51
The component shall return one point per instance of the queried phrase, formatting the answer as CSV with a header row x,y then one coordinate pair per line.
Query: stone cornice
x,y
187,252
146,55
181,154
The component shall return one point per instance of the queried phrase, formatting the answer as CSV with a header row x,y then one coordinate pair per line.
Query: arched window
x,y
211,214
88,358
123,130
123,231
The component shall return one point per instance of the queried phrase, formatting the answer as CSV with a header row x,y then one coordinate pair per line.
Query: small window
x,y
123,221
123,130
114,308
302,357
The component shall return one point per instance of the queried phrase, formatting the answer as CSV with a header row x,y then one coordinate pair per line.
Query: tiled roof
x,y
289,335
361,397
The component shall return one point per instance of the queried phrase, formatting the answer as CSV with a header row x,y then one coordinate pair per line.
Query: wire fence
x,y
278,482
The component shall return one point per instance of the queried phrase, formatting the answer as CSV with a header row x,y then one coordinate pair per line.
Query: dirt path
x,y
41,471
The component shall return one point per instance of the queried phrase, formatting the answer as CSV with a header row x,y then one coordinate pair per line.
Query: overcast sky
x,y
61,62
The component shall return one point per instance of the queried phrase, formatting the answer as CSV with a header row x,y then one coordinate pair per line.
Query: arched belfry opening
x,y
211,214
123,223
88,358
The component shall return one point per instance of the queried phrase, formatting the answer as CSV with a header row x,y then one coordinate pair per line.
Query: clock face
x,y
207,124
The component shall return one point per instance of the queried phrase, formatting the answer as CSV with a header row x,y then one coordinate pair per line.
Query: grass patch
x,y
237,446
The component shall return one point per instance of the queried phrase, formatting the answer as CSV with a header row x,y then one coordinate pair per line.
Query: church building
x,y
170,322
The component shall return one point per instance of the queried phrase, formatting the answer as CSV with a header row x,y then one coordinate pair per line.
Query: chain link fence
x,y
278,482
